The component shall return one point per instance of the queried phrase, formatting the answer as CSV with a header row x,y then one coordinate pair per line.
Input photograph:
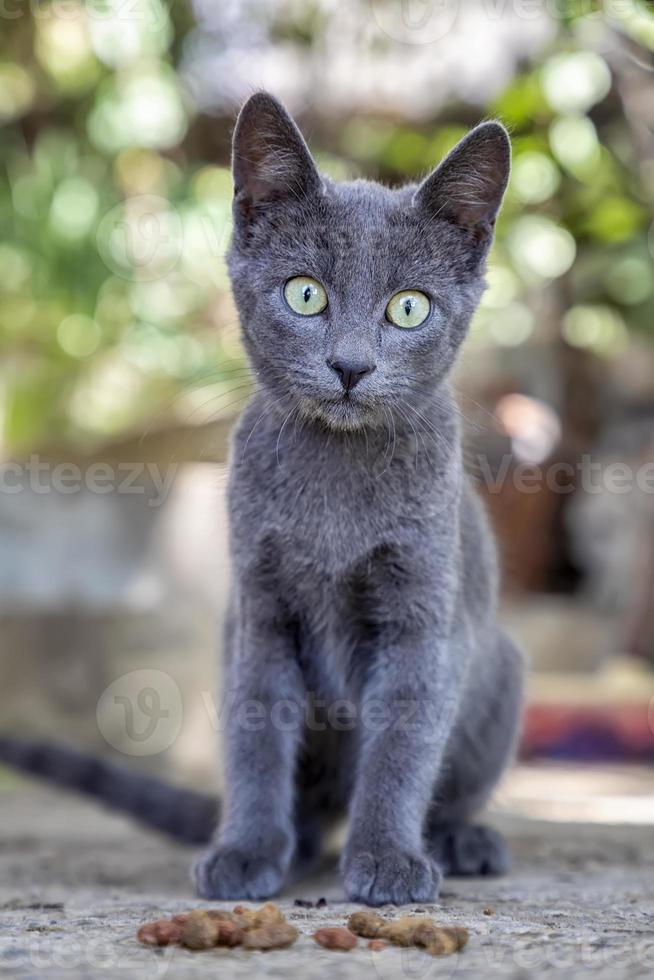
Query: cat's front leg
x,y
407,713
263,705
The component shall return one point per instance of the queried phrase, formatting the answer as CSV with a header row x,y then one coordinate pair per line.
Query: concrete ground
x,y
75,883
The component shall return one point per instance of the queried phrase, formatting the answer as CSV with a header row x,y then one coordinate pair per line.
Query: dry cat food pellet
x,y
335,937
365,924
400,931
225,918
163,932
268,915
425,932
270,937
439,940
228,934
200,931
266,928
377,945
224,915
450,939
409,931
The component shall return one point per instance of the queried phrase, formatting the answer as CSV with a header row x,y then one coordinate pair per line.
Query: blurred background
x,y
121,370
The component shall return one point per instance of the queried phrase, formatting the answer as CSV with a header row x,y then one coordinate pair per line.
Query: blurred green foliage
x,y
114,305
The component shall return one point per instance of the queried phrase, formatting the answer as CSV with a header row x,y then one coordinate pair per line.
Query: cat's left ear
x,y
467,188
270,160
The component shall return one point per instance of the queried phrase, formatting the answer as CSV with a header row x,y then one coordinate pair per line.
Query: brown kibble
x,y
276,936
425,932
400,931
268,915
459,934
366,924
223,915
422,932
244,916
487,911
442,947
162,932
248,918
450,939
229,934
377,945
201,930
335,937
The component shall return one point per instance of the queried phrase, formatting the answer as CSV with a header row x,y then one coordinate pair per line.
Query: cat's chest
x,y
316,525
311,510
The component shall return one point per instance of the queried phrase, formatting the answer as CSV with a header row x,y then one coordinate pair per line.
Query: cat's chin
x,y
342,415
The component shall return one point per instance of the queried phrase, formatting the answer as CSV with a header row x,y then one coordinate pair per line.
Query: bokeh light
x,y
122,36
79,335
575,144
73,209
576,81
17,90
535,177
597,328
143,107
541,247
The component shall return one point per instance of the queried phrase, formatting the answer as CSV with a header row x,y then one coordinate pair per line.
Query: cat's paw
x,y
390,876
229,873
469,850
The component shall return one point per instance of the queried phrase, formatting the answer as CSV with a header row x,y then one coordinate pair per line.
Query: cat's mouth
x,y
344,412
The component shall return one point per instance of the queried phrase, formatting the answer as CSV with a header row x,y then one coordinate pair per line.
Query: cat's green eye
x,y
408,309
305,295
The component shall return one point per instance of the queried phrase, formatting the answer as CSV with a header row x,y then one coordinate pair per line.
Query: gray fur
x,y
364,570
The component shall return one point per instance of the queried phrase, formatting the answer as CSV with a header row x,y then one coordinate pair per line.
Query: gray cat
x,y
365,670
364,572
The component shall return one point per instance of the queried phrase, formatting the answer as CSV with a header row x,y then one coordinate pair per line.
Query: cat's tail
x,y
181,813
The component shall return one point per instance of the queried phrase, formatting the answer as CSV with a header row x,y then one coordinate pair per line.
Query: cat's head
x,y
355,298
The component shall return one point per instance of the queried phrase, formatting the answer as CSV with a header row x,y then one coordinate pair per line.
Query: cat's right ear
x,y
468,186
270,160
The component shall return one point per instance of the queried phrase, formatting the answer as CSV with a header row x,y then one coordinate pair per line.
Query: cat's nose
x,y
351,372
